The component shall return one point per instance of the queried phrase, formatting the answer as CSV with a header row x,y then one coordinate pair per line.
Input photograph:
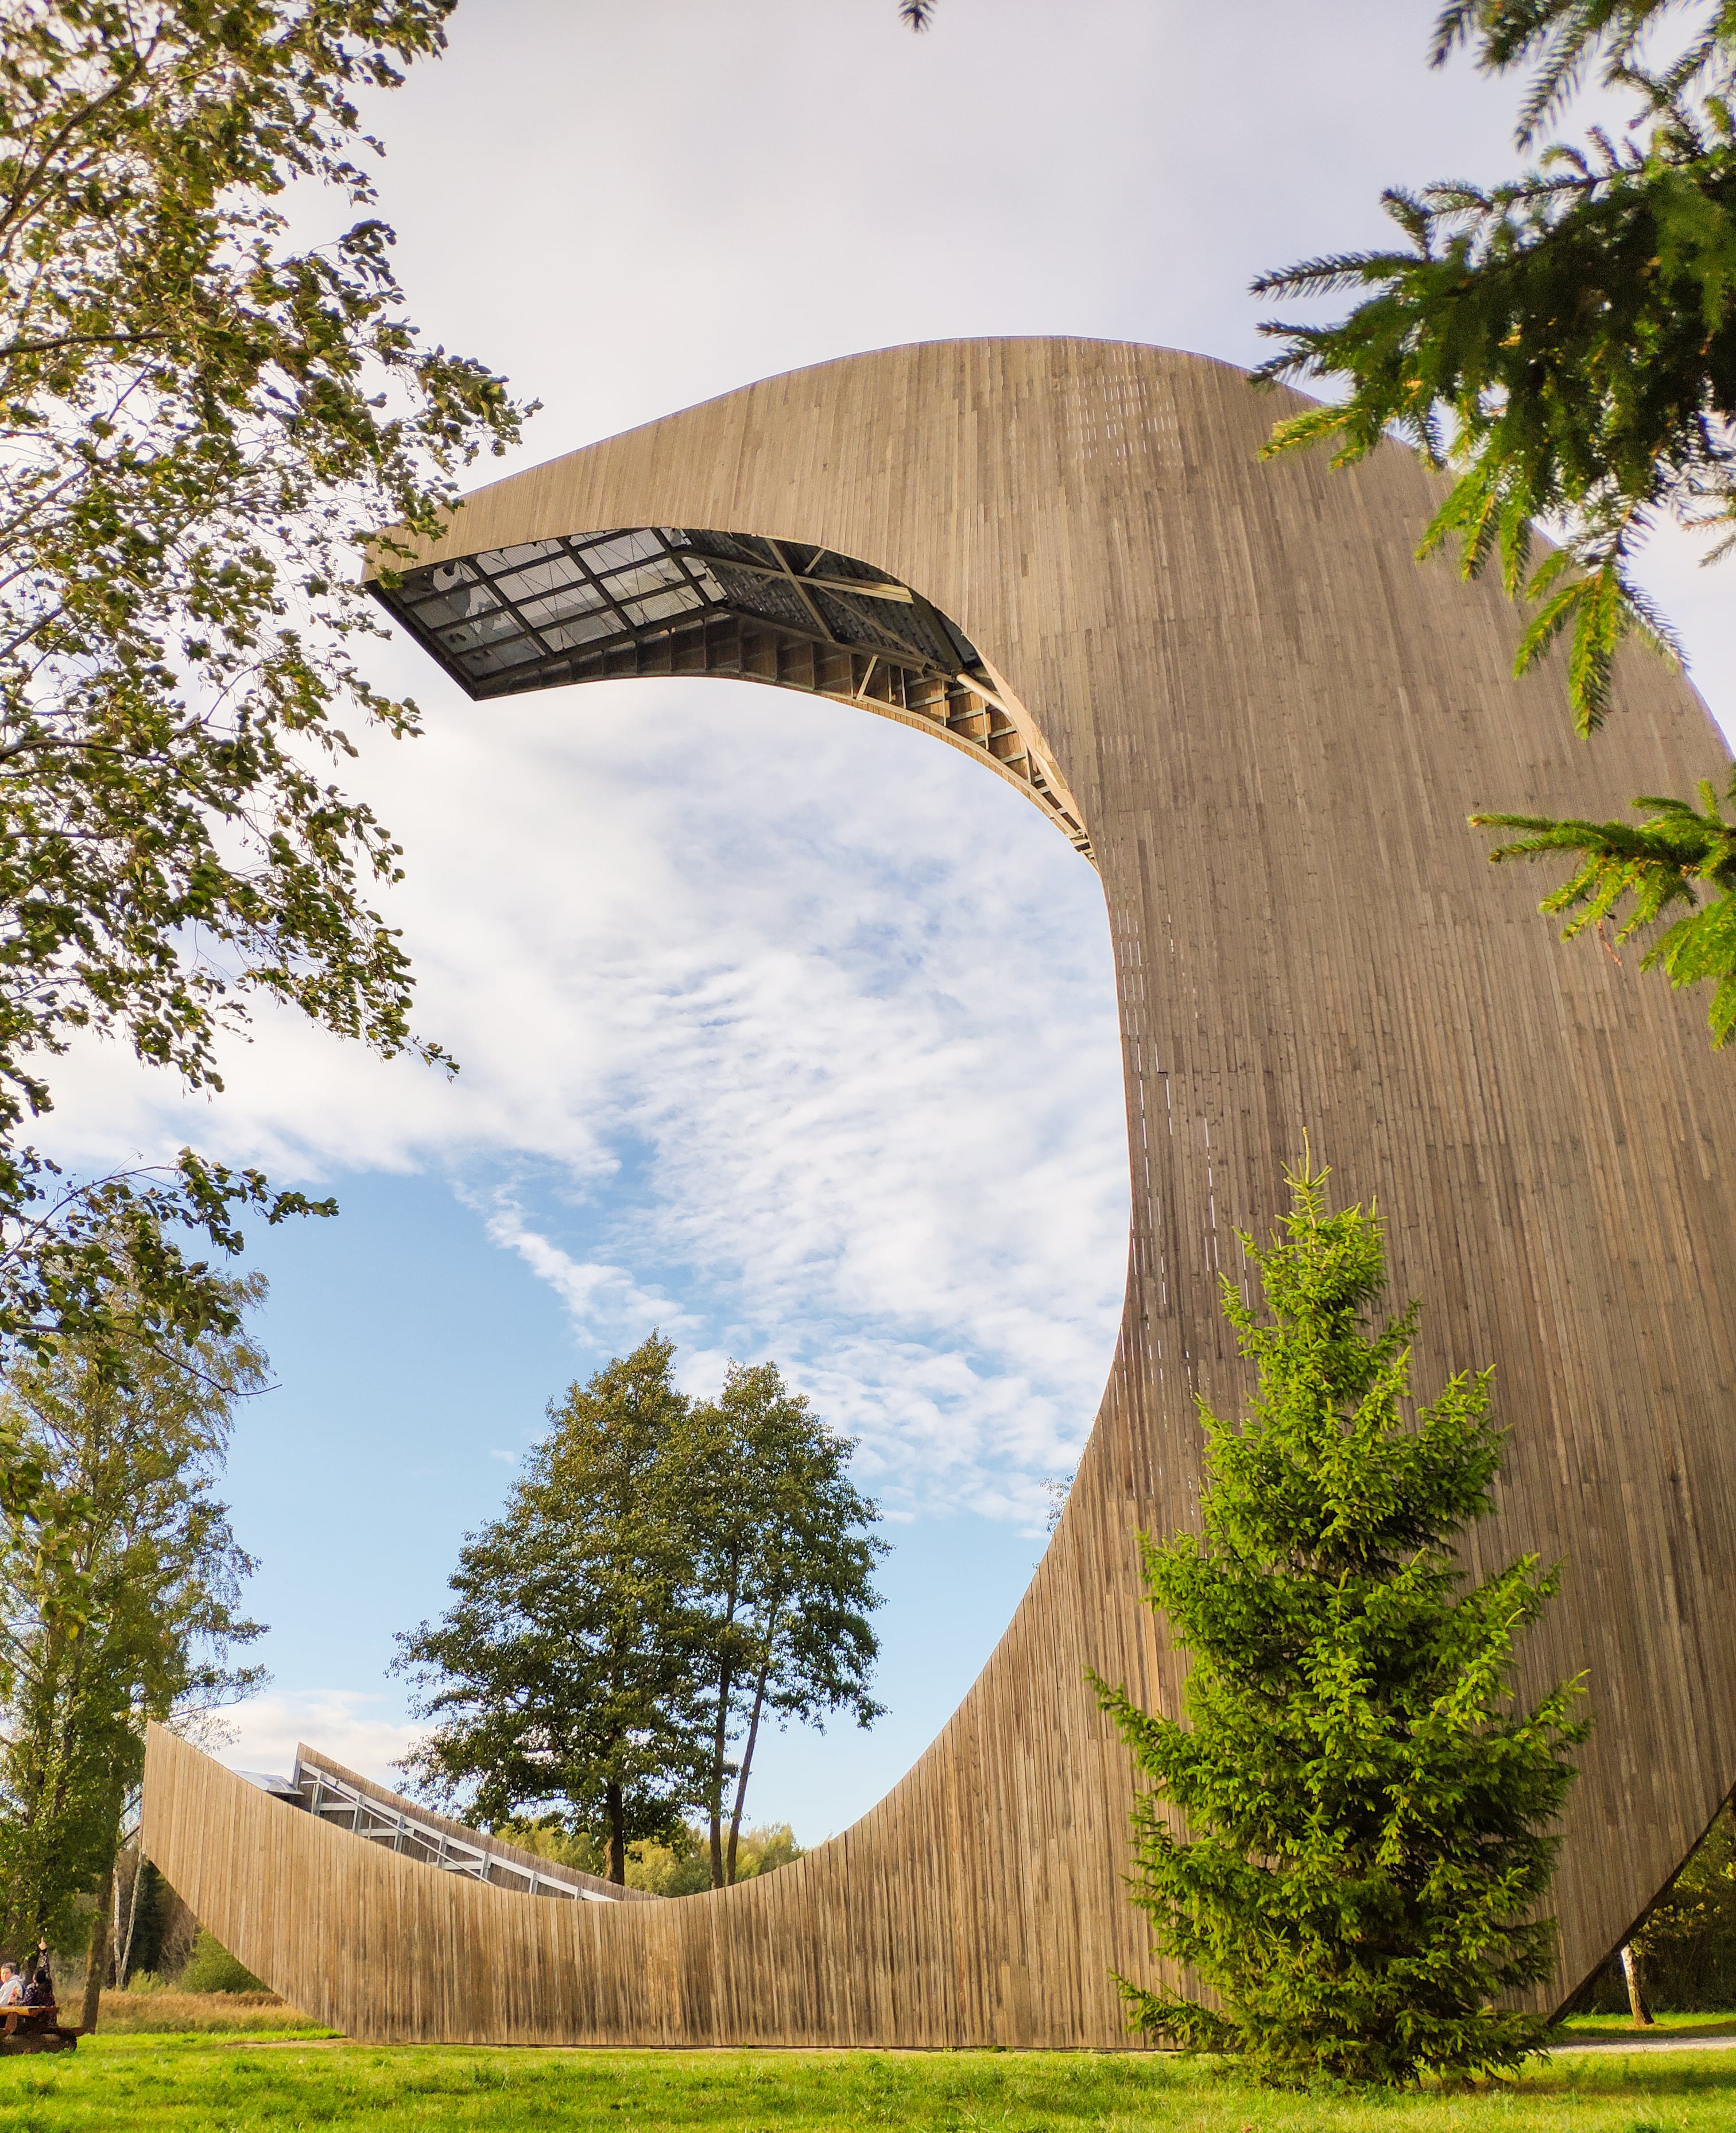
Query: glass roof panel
x,y
543,577
484,629
497,656
565,636
641,581
646,577
614,549
661,605
561,606
493,560
454,606
708,583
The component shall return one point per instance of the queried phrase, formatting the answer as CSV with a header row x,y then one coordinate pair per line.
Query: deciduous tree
x,y
564,1671
119,1591
665,1575
783,1557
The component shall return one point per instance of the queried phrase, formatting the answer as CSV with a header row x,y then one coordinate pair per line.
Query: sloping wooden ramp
x,y
1232,688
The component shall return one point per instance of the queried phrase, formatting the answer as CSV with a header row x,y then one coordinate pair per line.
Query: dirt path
x,y
1723,2041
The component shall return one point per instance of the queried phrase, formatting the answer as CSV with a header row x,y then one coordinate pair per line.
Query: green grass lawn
x,y
1663,2025
192,2083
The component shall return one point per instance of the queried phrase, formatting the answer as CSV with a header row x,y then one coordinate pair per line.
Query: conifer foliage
x,y
1349,1837
1564,345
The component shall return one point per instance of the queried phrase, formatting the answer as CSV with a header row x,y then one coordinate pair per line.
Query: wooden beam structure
x,y
1231,687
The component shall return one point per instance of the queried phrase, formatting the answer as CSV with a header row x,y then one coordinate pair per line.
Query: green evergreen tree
x,y
1349,1839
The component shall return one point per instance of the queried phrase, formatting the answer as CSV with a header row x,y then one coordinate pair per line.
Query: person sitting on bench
x,y
29,2022
12,1986
39,1992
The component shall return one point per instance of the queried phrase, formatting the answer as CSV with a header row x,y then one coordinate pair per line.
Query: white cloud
x,y
805,1048
606,1303
358,1730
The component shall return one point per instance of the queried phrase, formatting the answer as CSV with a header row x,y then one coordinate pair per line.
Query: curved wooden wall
x,y
1275,724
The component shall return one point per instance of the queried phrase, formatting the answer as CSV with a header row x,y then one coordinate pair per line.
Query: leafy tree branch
x,y
201,425
1659,864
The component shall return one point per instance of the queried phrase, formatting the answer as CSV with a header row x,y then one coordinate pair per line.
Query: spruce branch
x,y
1659,864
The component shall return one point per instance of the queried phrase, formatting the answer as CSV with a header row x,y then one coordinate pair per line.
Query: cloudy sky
x,y
780,1029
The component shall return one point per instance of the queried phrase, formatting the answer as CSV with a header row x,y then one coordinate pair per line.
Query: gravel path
x,y
1725,2041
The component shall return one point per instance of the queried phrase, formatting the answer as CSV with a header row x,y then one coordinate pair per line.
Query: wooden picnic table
x,y
15,2011
28,2028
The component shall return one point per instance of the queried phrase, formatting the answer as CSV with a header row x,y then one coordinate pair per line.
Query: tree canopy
x,y
783,1575
1350,1835
666,1574
563,1671
200,422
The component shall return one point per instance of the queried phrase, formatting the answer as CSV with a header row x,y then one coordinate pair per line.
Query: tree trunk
x,y
721,1729
1642,2015
96,1963
747,1764
616,1813
720,1744
123,1961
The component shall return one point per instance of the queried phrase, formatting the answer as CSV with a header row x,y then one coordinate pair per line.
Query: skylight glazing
x,y
663,599
509,618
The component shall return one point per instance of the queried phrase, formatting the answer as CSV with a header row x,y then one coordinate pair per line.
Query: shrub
x,y
1687,1946
551,1838
211,1968
681,1867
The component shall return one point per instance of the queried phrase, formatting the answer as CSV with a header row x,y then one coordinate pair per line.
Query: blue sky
x,y
780,1027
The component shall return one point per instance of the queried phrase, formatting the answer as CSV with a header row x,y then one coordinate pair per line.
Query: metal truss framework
x,y
661,600
338,1798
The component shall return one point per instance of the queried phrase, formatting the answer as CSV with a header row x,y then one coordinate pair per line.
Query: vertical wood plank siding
x,y
1275,723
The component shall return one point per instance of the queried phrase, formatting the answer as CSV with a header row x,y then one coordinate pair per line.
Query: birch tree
x,y
120,1589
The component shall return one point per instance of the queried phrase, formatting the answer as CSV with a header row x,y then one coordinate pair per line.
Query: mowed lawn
x,y
189,2083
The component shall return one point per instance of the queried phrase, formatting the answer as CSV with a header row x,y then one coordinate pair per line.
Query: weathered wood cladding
x,y
1275,724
